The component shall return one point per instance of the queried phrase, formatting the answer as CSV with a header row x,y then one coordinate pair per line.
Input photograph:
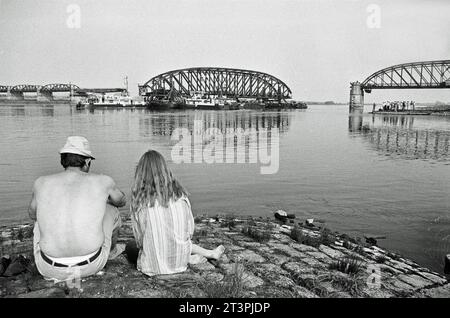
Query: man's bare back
x,y
70,207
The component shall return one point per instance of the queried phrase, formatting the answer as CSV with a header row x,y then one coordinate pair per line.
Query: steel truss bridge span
x,y
417,75
227,82
25,88
55,88
49,88
431,74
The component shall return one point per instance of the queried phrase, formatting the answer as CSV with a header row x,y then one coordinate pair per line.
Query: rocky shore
x,y
263,258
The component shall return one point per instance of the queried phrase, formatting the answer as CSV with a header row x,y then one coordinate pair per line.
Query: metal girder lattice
x,y
26,88
432,74
59,88
227,82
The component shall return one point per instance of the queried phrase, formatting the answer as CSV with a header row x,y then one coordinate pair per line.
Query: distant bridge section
x,y
100,90
417,75
45,92
226,82
25,88
59,88
4,89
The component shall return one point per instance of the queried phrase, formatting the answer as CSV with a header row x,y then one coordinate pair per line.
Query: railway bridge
x,y
417,75
223,82
46,92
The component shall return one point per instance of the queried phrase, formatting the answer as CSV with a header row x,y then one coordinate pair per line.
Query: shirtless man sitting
x,y
77,219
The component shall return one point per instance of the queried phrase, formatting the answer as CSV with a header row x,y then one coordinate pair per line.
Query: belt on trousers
x,y
88,261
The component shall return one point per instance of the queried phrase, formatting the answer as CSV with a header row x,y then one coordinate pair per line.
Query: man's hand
x,y
120,203
115,197
32,209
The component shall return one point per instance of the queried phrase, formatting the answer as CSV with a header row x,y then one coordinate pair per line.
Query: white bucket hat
x,y
77,145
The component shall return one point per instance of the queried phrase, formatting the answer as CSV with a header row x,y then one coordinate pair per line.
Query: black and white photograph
x,y
224,155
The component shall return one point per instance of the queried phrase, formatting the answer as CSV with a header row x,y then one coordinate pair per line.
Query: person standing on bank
x,y
77,220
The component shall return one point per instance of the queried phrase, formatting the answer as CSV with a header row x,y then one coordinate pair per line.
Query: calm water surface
x,y
362,175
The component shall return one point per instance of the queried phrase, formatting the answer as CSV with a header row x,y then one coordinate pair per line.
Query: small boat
x,y
298,105
286,105
204,102
201,103
255,104
80,105
200,100
164,105
110,100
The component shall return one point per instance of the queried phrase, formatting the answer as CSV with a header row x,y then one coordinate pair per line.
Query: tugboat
x,y
298,105
287,105
202,101
164,104
110,100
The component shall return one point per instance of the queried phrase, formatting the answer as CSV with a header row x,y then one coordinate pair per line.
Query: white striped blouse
x,y
163,236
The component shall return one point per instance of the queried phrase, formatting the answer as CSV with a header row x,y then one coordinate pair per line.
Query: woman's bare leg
x,y
214,254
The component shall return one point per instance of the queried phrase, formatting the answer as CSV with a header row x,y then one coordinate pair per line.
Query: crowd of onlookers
x,y
396,106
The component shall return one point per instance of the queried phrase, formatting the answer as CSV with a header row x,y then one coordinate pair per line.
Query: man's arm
x,y
32,209
115,197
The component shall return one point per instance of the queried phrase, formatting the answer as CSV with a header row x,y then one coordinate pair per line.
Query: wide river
x,y
380,176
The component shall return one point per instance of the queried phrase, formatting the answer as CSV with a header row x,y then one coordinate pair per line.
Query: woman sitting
x,y
162,220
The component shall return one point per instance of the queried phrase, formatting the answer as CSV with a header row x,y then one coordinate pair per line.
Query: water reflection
x,y
407,137
163,124
158,123
22,110
18,111
48,111
355,121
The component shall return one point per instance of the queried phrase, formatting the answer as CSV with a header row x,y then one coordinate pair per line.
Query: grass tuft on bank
x,y
351,265
325,237
231,286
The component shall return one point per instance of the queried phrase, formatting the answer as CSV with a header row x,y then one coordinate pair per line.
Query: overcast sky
x,y
315,46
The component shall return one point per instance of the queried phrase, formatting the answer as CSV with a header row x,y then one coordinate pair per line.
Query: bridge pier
x,y
356,97
4,94
44,96
14,95
355,120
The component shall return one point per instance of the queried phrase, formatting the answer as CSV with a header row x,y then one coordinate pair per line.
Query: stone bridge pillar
x,y
355,120
356,97
8,92
14,95
44,96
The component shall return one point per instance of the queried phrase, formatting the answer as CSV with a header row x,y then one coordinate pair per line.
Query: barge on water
x,y
443,111
217,103
416,112
108,101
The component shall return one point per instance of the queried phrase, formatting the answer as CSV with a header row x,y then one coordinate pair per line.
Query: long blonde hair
x,y
153,181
